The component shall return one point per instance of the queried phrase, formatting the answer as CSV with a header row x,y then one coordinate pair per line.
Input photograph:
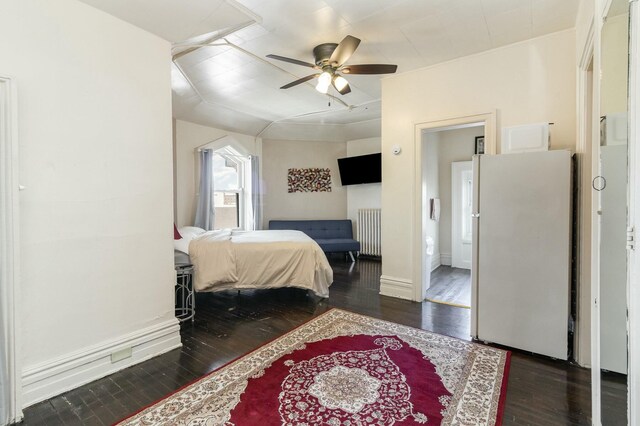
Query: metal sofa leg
x,y
351,255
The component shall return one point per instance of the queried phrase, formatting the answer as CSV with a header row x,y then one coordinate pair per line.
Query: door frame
x,y
9,250
596,407
633,292
488,120
457,167
586,103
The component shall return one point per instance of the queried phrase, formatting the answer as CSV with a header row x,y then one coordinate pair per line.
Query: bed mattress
x,y
259,259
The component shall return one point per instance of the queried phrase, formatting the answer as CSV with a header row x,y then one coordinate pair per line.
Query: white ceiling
x,y
231,85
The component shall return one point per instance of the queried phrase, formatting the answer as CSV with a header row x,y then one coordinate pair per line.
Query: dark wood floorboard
x,y
450,285
541,391
613,398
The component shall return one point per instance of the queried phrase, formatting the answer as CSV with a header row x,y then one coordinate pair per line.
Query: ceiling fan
x,y
330,59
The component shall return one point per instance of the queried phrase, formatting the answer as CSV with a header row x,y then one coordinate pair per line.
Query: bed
x,y
226,259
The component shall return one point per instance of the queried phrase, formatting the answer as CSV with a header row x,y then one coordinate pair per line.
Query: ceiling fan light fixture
x,y
330,61
340,82
324,81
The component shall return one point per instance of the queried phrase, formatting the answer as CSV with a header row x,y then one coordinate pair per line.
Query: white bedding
x,y
259,259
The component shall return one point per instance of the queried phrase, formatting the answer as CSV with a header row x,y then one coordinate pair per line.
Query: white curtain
x,y
205,213
256,193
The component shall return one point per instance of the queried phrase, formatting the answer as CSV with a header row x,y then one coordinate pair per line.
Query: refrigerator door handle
x,y
601,183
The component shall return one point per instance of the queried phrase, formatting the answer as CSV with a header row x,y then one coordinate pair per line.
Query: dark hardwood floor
x,y
613,398
450,286
541,391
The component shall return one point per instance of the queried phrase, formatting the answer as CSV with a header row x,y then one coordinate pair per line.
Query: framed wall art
x,y
309,180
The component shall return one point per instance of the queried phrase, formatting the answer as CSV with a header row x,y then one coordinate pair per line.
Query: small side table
x,y
185,299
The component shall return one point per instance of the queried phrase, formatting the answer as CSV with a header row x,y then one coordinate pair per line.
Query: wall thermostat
x,y
396,149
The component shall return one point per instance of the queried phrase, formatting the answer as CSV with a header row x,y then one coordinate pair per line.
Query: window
x,y
230,178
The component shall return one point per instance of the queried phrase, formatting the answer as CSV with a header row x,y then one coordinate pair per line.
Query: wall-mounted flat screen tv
x,y
360,169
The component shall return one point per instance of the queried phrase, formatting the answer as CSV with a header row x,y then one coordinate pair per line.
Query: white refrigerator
x,y
521,262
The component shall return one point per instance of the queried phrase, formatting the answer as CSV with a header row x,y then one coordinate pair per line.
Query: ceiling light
x,y
340,82
323,82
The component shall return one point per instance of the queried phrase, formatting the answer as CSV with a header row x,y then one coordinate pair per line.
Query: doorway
x,y
449,186
448,179
422,260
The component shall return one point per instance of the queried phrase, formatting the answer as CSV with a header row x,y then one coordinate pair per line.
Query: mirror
x,y
612,187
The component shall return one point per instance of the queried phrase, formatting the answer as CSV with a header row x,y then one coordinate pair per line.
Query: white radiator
x,y
368,228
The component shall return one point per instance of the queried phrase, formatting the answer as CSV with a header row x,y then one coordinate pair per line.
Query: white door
x,y
461,198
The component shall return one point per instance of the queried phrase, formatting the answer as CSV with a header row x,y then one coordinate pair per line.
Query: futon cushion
x,y
338,244
330,234
317,228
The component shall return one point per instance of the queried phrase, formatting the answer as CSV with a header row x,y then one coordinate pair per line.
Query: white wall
x,y
95,157
188,138
431,189
279,156
528,82
367,195
454,145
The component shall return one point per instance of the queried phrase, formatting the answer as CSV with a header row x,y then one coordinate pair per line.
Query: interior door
x,y
461,209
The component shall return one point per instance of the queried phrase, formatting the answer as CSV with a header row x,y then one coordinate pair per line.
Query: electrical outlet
x,y
121,354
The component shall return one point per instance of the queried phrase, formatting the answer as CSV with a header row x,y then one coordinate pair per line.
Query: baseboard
x,y
445,259
52,378
396,287
435,261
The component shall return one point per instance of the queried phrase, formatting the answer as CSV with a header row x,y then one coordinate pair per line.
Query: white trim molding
x,y
401,288
445,259
596,406
633,293
54,377
584,149
435,261
9,238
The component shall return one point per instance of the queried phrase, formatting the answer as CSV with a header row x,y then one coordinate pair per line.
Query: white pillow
x,y
191,232
188,233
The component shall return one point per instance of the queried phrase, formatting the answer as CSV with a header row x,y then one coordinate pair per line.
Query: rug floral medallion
x,y
346,369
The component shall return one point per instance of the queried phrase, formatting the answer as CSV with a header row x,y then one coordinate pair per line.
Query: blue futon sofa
x,y
331,235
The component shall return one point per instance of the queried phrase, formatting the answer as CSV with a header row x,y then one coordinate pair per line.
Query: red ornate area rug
x,y
343,368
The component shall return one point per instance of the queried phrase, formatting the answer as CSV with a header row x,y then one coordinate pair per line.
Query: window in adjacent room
x,y
230,180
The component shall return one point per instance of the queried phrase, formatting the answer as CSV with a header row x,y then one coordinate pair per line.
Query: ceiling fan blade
x,y
370,69
300,81
345,49
292,61
346,89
